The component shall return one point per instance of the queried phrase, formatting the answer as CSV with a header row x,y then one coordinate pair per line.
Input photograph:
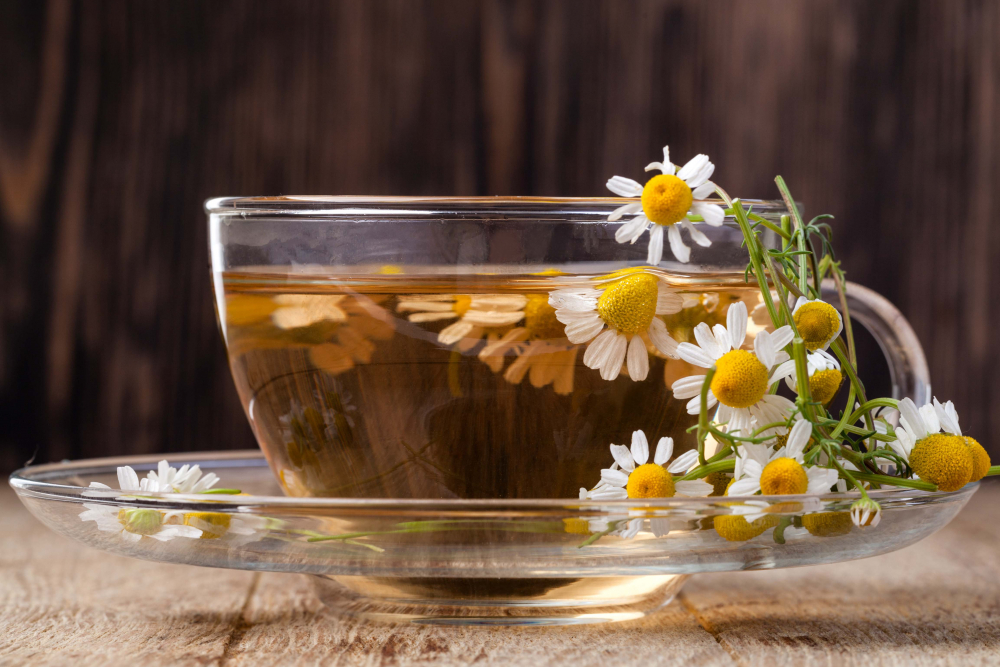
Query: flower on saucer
x,y
865,512
132,524
540,347
784,472
668,201
474,314
742,378
627,306
930,440
630,476
188,479
825,376
817,322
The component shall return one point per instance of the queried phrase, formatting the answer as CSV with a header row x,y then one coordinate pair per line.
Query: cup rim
x,y
428,206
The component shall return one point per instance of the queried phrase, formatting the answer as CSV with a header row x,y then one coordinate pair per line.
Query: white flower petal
x,y
929,415
638,360
915,423
692,167
667,301
798,438
614,477
688,386
696,236
704,190
655,254
623,457
632,230
661,339
574,299
694,355
736,324
745,487
713,214
781,337
624,187
612,365
708,341
820,480
624,210
764,348
127,479
684,462
640,448
681,252
664,450
599,350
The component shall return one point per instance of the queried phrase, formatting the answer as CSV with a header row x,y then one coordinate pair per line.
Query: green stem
x,y
799,229
707,469
741,219
994,470
770,225
703,415
896,481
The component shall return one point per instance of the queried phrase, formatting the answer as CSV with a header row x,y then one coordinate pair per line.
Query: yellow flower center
x,y
980,459
828,524
628,306
944,460
666,199
740,379
720,482
650,481
817,323
462,304
782,477
140,522
540,319
211,524
390,269
823,385
734,528
246,309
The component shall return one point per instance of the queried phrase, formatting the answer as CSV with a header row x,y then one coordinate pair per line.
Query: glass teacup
x,y
410,347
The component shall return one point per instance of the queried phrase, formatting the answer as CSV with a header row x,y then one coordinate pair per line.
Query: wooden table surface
x,y
937,602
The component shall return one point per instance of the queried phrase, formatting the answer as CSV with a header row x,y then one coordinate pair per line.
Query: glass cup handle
x,y
907,363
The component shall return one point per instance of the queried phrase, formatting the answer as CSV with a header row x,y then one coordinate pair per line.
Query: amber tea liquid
x,y
394,386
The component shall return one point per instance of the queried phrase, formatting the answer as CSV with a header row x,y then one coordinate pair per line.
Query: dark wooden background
x,y
117,119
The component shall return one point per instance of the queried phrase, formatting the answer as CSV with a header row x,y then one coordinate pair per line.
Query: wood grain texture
x,y
118,119
934,603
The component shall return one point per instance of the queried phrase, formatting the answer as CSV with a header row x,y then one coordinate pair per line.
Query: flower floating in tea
x,y
931,441
668,202
627,306
540,347
477,315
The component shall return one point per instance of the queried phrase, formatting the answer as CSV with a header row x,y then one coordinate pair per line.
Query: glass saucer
x,y
469,562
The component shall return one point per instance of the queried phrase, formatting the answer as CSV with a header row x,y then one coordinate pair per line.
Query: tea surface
x,y
395,386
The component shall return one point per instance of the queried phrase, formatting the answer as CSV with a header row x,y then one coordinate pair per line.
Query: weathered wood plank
x,y
934,603
65,604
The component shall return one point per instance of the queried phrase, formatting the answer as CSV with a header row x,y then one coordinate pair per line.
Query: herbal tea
x,y
454,386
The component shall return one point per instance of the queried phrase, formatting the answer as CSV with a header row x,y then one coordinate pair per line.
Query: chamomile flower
x,y
825,376
632,477
817,322
540,348
188,479
785,472
627,307
474,314
946,458
667,202
742,378
132,524
865,512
